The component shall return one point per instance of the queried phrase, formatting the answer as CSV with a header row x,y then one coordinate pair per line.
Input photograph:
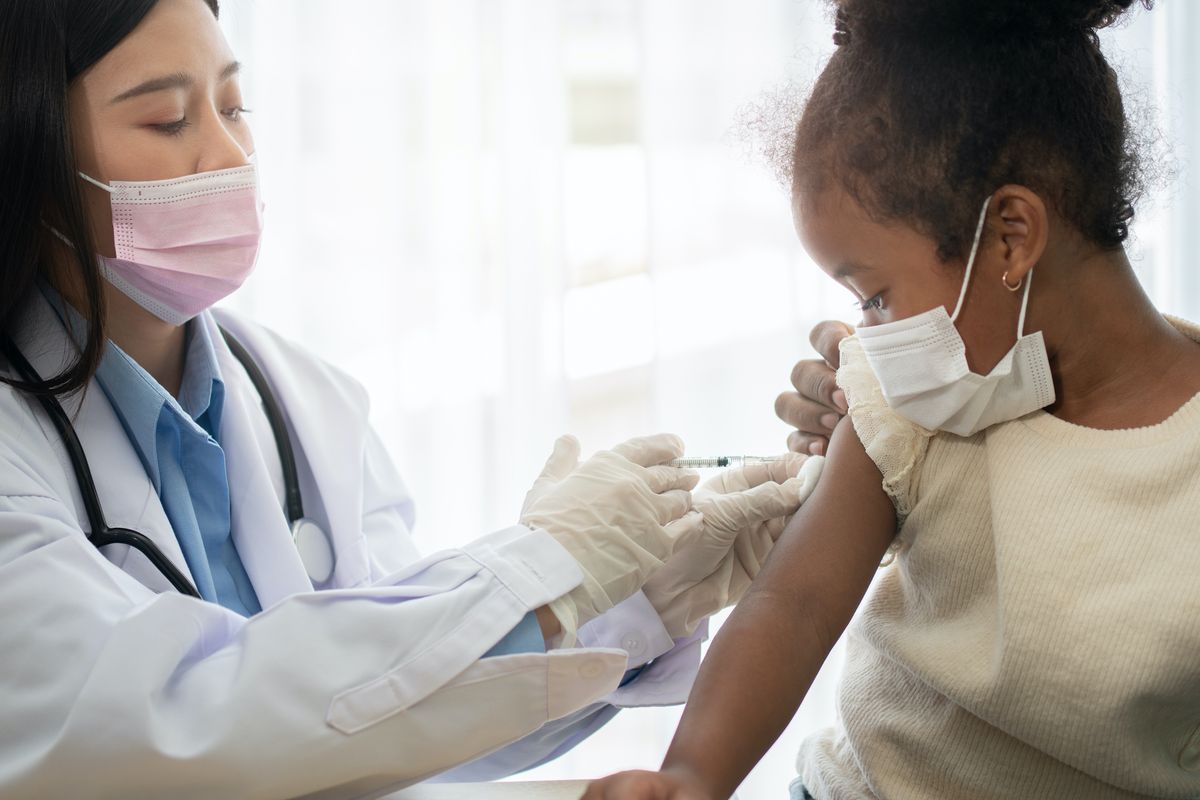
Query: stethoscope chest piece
x,y
315,550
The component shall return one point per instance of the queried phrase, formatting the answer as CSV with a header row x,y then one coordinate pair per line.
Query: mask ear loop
x,y
95,182
1024,306
971,261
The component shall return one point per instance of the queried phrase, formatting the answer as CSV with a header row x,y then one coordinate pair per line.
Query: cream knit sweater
x,y
1038,635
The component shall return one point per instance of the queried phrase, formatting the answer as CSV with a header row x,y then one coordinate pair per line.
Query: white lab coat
x,y
111,684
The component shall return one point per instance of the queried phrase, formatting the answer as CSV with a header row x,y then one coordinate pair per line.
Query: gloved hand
x,y
619,514
745,510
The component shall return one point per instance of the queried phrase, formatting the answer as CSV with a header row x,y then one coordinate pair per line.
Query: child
x,y
1038,634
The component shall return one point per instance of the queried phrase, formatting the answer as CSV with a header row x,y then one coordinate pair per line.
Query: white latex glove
x,y
745,510
619,514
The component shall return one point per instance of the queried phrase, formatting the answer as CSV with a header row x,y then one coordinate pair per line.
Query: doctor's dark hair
x,y
928,106
45,45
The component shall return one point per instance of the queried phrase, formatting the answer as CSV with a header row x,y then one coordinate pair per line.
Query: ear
x,y
1024,229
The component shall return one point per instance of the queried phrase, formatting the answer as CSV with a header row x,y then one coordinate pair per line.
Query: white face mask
x,y
921,364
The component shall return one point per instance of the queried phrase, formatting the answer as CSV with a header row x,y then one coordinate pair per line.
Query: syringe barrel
x,y
719,462
716,462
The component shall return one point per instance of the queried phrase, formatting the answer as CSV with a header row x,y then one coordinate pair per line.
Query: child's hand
x,y
643,785
817,405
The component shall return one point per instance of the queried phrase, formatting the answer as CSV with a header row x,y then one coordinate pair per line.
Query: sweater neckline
x,y
1185,420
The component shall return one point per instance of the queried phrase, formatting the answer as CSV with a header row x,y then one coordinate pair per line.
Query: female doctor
x,y
208,582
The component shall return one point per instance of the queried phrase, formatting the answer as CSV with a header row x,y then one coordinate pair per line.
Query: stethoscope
x,y
315,549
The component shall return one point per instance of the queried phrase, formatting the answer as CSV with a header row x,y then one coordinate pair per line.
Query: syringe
x,y
720,462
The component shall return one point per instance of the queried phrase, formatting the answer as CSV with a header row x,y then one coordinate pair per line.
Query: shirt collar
x,y
202,392
139,400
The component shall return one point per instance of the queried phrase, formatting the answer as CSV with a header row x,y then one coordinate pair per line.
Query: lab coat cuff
x,y
633,626
576,678
530,564
668,679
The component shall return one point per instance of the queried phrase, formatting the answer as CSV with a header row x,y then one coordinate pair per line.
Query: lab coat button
x,y
633,644
591,669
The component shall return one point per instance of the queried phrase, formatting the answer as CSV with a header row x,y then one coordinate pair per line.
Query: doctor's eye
x,y
173,128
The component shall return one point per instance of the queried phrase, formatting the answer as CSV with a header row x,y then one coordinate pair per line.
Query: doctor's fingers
x,y
752,548
671,505
684,531
775,527
662,478
756,505
647,451
562,460
786,467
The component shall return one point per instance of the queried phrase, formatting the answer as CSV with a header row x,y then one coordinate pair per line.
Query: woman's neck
x,y
158,347
1117,362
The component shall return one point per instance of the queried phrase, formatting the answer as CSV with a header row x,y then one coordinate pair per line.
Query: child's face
x,y
894,272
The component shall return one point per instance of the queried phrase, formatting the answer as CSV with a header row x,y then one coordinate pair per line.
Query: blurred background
x,y
516,218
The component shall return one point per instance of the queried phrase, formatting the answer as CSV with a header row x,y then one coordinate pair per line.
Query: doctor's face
x,y
165,102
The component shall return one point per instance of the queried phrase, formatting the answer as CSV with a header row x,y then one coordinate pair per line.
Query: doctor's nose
x,y
223,147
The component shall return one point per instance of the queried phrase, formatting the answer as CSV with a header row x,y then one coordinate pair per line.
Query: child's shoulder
x,y
896,445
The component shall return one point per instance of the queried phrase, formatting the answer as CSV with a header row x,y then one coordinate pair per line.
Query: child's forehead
x,y
830,213
843,238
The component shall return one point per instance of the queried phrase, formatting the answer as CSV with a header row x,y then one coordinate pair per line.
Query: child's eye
x,y
875,302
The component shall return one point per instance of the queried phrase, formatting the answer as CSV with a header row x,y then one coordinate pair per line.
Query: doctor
x,y
207,579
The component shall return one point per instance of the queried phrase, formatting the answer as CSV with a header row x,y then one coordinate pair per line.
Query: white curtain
x,y
516,218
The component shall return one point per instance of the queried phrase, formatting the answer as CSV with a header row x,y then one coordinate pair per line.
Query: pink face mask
x,y
185,243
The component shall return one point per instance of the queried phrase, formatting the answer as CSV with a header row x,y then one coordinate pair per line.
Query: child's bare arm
x,y
765,657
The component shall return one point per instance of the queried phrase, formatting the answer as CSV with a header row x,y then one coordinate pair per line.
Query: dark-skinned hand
x,y
816,405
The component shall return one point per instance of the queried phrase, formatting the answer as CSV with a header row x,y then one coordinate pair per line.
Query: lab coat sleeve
x,y
669,668
111,690
632,626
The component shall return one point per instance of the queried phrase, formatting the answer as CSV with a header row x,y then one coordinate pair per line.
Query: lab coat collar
x,y
330,466
127,496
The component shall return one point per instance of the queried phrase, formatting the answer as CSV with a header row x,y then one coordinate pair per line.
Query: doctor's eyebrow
x,y
176,80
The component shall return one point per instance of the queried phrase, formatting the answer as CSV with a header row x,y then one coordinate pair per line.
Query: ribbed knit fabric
x,y
1038,635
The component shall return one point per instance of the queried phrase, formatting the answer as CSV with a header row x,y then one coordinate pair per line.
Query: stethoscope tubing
x,y
101,535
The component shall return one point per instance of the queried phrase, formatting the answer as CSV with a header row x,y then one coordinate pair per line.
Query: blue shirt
x,y
525,638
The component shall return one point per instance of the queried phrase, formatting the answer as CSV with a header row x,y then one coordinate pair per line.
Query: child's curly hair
x,y
927,106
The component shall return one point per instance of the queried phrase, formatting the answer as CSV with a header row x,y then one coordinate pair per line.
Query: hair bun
x,y
882,20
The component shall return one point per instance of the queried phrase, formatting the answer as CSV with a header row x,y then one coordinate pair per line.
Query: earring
x,y
1004,280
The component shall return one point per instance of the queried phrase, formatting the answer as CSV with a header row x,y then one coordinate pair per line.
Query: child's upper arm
x,y
767,653
894,444
830,550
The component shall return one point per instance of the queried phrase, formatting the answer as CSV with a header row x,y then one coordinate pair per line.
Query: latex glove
x,y
745,510
619,514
